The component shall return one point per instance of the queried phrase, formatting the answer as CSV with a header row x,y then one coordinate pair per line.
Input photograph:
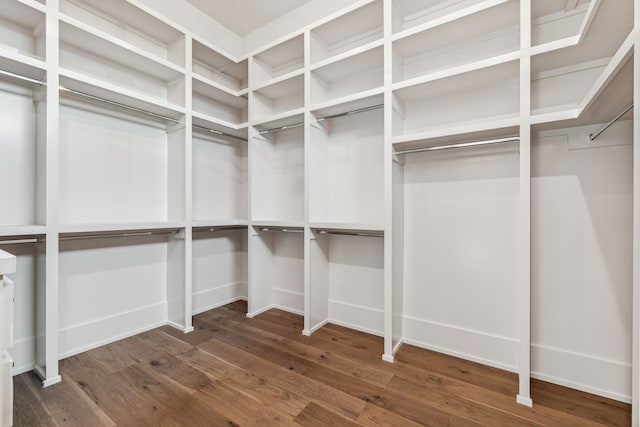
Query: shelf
x,y
280,98
288,118
116,94
475,98
217,103
17,63
22,230
278,224
346,171
349,104
131,26
552,21
219,223
355,74
416,15
279,60
220,173
349,228
203,125
91,55
212,65
22,30
489,33
347,32
463,133
97,228
277,165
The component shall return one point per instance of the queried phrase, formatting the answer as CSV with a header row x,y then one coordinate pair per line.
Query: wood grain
x,y
234,371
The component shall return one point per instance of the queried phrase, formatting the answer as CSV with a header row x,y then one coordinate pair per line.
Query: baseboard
x,y
476,346
87,336
217,297
315,328
360,318
23,354
259,312
584,372
289,301
599,376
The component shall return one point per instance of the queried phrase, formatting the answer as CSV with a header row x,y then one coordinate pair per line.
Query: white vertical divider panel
x,y
635,358
308,235
524,232
47,291
179,247
388,186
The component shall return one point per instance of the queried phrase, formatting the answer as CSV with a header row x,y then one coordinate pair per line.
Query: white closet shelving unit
x,y
146,161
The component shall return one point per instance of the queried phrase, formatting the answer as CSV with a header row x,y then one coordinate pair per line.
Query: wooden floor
x,y
262,371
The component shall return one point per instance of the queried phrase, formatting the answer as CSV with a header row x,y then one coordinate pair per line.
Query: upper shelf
x,y
489,33
347,32
217,103
279,99
22,32
101,57
279,60
212,65
130,25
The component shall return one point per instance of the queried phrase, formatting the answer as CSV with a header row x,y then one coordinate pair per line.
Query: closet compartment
x,y
22,31
209,64
220,171
87,57
356,74
277,171
118,168
113,285
347,279
280,99
492,34
129,26
219,266
23,150
346,171
276,277
461,210
482,99
217,104
278,61
348,33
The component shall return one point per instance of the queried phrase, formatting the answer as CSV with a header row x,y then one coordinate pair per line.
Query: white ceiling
x,y
244,16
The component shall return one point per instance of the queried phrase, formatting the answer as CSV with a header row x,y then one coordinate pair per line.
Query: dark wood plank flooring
x,y
262,371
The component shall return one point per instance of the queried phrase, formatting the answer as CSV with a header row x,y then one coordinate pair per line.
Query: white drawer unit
x,y
7,266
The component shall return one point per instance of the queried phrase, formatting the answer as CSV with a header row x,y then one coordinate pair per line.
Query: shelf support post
x,y
524,231
635,358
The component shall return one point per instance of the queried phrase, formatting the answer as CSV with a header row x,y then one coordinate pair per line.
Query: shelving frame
x,y
192,59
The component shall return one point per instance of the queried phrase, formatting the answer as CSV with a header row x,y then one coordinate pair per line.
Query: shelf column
x,y
524,231
635,360
307,186
47,284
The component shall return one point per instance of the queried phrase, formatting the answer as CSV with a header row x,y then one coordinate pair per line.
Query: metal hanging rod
x,y
18,241
217,132
320,119
21,77
118,104
353,233
115,235
606,126
281,230
221,228
460,145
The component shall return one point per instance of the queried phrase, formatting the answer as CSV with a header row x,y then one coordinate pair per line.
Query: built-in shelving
x,y
133,28
349,76
481,99
22,30
348,32
280,60
212,65
210,101
490,33
282,98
